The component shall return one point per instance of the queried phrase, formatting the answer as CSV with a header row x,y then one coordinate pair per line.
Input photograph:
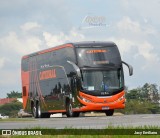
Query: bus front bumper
x,y
97,103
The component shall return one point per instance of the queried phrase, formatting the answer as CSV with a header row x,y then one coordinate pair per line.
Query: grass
x,y
16,119
85,136
114,132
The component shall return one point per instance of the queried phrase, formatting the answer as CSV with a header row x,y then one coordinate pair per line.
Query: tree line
x,y
142,100
14,94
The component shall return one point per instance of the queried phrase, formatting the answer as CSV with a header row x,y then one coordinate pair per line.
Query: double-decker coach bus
x,y
73,78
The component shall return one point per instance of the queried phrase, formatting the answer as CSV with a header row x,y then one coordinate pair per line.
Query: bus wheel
x,y
109,112
69,110
36,110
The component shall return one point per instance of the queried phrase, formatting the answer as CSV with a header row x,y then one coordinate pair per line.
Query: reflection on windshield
x,y
102,80
103,56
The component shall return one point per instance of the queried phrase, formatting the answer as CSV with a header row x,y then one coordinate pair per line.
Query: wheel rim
x,y
70,109
39,111
34,111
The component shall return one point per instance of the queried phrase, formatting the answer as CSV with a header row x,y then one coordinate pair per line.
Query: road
x,y
94,122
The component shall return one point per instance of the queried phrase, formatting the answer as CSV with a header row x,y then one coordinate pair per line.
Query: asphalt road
x,y
95,122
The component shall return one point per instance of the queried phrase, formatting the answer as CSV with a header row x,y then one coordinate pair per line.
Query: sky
x,y
28,26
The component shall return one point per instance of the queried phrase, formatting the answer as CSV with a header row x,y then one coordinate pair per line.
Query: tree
x,y
150,92
144,91
14,94
154,93
134,94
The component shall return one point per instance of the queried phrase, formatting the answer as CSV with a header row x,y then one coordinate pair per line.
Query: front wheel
x,y
109,112
70,112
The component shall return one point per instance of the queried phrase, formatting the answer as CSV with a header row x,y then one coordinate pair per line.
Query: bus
x,y
74,78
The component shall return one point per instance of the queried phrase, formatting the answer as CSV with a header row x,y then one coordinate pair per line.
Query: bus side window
x,y
24,91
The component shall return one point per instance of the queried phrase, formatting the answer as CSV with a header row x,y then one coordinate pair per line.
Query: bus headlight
x,y
85,100
121,98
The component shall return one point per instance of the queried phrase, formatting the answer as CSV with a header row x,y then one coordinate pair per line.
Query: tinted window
x,y
65,54
98,56
107,81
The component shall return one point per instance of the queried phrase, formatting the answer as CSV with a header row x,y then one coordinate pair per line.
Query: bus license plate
x,y
105,108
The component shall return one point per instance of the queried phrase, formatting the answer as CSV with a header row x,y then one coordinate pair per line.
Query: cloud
x,y
29,26
60,38
144,49
134,29
126,24
24,41
138,46
144,59
143,8
123,44
152,59
13,46
135,35
2,60
21,43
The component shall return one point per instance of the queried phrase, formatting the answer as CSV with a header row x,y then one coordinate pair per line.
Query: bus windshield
x,y
102,80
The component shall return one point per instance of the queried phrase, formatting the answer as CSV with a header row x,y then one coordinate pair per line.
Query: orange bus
x,y
73,78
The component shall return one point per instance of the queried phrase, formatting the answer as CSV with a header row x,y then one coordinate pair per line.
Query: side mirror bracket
x,y
129,67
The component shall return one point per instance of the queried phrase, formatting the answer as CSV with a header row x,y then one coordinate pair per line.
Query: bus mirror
x,y
129,67
75,67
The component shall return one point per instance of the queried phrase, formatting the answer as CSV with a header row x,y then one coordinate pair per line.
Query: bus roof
x,y
75,44
94,43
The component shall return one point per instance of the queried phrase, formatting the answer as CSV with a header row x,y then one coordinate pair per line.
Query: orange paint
x,y
47,74
50,50
55,48
57,111
25,83
24,57
96,102
96,51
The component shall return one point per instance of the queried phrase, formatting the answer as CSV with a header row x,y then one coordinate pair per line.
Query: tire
x,y
36,110
69,110
109,112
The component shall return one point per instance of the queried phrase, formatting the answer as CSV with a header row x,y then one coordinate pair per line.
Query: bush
x,y
11,109
140,107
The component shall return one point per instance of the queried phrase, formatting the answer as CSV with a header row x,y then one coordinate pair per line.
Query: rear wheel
x,y
109,112
69,110
36,110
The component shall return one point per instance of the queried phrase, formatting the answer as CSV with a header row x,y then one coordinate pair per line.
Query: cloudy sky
x,y
27,26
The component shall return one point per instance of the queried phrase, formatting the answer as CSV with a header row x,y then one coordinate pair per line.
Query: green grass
x,y
69,132
17,119
131,127
92,133
85,136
